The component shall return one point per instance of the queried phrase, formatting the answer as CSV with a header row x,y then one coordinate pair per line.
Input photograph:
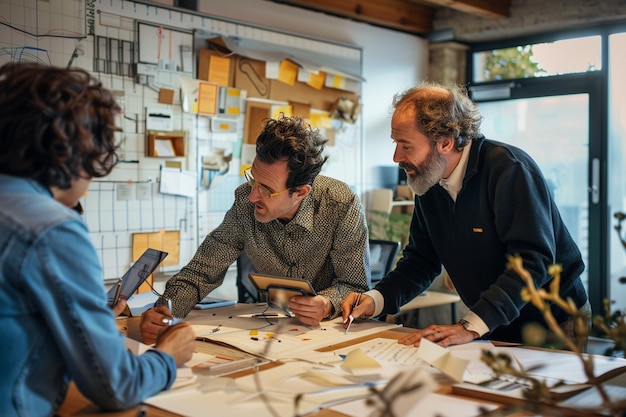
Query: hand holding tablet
x,y
280,289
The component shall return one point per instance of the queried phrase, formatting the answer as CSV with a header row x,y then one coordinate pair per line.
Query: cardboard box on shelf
x,y
216,67
249,74
404,192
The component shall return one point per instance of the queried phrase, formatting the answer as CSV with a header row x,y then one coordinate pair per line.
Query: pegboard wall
x,y
136,50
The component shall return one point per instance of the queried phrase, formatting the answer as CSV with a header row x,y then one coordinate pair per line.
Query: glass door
x,y
556,123
617,171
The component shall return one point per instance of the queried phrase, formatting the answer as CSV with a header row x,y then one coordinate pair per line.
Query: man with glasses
x,y
289,221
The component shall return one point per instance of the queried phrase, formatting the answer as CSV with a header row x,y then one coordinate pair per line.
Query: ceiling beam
x,y
399,15
484,8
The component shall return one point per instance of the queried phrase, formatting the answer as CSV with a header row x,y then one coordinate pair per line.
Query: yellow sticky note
x,y
287,72
317,80
207,98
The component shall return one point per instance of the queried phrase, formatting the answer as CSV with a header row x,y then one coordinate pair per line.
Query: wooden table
x,y
76,404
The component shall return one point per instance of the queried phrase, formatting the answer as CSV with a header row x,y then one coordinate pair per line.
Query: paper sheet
x,y
184,374
175,181
562,365
141,302
315,386
241,396
388,352
431,405
283,338
392,354
357,359
317,379
319,386
442,359
547,364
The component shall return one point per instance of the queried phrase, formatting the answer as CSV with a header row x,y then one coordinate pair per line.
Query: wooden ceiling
x,y
411,16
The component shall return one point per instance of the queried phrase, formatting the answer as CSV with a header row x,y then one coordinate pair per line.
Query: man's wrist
x,y
464,323
329,308
468,326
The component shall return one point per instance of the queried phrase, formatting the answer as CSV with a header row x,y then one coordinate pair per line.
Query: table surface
x,y
76,404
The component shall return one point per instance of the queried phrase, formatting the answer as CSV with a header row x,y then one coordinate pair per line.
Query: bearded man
x,y
476,201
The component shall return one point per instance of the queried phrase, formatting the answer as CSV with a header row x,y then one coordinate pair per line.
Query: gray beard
x,y
430,173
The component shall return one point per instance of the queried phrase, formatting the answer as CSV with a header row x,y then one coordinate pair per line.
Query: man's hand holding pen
x,y
171,320
354,306
155,321
171,335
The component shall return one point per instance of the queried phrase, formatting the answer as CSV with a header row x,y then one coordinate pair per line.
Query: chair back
x,y
382,257
246,291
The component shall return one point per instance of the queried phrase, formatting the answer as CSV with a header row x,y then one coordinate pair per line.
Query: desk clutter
x,y
252,359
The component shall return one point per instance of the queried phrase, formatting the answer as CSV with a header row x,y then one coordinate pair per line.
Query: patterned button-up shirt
x,y
326,242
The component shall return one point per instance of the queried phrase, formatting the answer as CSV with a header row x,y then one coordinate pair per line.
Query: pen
x,y
351,318
172,320
168,321
118,291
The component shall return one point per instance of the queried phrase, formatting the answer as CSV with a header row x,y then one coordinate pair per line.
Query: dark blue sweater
x,y
504,207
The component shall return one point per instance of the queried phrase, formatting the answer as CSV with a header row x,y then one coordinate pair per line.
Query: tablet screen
x,y
138,273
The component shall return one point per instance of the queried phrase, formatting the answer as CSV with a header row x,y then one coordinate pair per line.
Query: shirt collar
x,y
304,215
454,182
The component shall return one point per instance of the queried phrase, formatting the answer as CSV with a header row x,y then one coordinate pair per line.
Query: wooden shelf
x,y
388,219
165,144
381,200
396,203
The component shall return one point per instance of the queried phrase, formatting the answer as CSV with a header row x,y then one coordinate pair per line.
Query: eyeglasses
x,y
263,190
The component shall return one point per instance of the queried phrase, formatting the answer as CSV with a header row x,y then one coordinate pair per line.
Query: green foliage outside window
x,y
511,63
389,226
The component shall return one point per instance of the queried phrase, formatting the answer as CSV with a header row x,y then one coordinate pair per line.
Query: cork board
x,y
256,113
167,241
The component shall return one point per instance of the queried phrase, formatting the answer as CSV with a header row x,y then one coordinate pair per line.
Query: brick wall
x,y
530,17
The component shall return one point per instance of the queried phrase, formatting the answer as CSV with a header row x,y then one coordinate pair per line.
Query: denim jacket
x,y
55,325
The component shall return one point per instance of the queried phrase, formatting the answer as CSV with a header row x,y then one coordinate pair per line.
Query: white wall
x,y
392,62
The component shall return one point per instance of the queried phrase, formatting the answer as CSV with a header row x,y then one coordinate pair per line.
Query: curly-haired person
x,y
56,134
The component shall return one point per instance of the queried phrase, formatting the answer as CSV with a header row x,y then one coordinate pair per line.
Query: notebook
x,y
137,274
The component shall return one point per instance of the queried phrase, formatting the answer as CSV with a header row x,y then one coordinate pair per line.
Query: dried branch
x,y
541,299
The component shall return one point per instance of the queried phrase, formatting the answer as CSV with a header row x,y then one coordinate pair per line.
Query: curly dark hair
x,y
442,112
291,139
56,124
